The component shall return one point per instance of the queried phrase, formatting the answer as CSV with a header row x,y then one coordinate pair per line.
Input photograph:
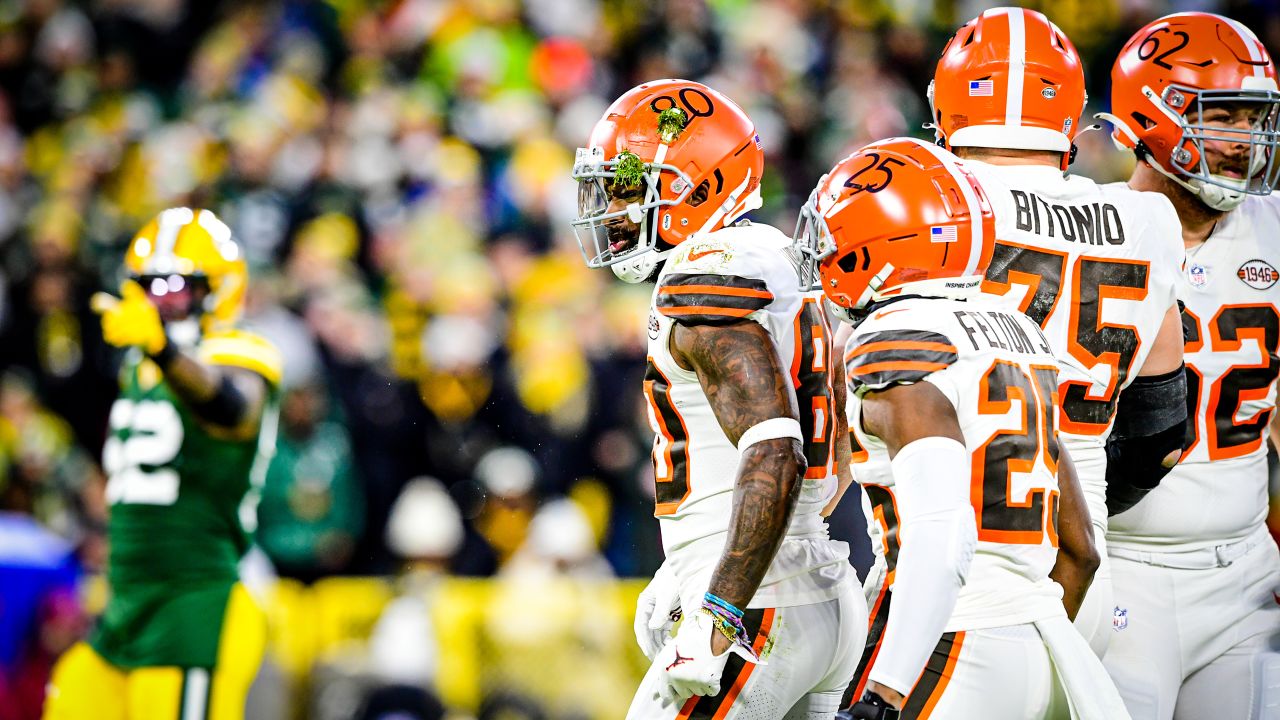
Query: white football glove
x,y
688,664
657,611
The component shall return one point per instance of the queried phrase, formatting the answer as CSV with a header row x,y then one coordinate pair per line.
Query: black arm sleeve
x,y
226,407
1150,423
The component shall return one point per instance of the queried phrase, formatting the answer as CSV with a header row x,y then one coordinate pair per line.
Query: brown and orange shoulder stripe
x,y
884,358
710,299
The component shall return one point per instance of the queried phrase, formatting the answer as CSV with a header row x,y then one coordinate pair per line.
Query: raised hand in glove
x,y
131,320
689,662
657,611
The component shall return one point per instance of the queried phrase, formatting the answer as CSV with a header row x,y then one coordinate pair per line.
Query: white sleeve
x,y
938,537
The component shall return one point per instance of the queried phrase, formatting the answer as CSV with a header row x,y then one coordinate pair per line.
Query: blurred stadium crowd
x,y
398,173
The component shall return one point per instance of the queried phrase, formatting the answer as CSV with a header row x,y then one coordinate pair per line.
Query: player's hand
x,y
657,611
131,320
690,663
874,707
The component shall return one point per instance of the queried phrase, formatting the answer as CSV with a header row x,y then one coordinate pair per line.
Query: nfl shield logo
x,y
1119,618
1199,275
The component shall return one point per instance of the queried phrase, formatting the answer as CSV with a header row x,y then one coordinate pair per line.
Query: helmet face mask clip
x,y
602,234
1258,170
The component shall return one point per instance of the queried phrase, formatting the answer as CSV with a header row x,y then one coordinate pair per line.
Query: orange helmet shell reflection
x,y
1009,78
903,215
1192,51
718,146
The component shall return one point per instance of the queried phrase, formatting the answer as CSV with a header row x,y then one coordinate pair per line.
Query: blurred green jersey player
x,y
190,438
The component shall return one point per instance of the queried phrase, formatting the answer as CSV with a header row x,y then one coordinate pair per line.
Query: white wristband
x,y
770,429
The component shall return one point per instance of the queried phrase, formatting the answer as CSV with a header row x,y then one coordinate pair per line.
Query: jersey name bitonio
x,y
1087,223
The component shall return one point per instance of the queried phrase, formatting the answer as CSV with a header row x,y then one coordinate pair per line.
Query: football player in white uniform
x,y
739,387
1096,267
952,403
1195,573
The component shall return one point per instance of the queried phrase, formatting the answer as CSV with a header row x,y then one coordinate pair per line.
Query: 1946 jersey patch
x,y
1258,274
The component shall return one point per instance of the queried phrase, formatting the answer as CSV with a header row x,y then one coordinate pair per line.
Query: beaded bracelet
x,y
726,618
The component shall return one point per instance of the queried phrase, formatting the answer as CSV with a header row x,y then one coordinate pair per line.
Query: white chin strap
x,y
730,210
1215,196
1218,197
638,268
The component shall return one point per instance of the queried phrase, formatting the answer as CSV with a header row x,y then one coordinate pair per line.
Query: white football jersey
x,y
1218,492
1097,266
740,272
998,371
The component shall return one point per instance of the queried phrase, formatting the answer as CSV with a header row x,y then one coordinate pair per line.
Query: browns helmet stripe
x,y
1017,66
1251,44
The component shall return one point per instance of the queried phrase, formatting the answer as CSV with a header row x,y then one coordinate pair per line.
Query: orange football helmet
x,y
696,155
898,216
1009,78
1162,82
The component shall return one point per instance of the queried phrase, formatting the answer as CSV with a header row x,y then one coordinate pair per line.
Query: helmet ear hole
x,y
849,263
700,193
1143,121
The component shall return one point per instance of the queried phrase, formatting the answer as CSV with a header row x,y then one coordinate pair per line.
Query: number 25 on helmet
x,y
669,159
1169,75
898,217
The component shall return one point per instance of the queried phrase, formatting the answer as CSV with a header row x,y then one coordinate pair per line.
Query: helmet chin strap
x,y
639,268
730,210
1215,196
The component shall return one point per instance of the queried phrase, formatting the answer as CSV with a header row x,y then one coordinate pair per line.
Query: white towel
x,y
1089,689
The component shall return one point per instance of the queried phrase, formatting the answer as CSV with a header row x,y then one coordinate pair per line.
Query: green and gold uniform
x,y
178,625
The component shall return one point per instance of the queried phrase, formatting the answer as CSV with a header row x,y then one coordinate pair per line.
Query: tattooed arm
x,y
745,384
